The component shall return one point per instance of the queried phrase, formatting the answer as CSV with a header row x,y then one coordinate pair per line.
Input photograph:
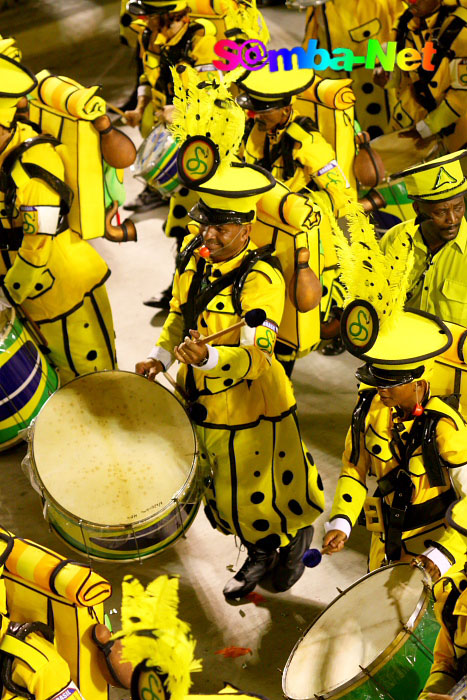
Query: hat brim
x,y
382,379
139,7
275,85
246,101
208,216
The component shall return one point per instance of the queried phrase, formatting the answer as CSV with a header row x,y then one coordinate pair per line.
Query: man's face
x,y
167,24
445,218
397,395
423,8
272,118
224,241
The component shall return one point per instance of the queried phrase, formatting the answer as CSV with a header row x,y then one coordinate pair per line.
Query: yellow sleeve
x,y
351,488
454,104
39,210
263,289
172,332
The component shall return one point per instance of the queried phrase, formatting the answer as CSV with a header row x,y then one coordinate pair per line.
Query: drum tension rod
x,y
182,524
379,688
429,653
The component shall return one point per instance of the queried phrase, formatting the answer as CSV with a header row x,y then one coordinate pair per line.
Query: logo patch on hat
x,y
359,326
198,160
443,178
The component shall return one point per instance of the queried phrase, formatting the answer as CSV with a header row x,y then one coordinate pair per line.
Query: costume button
x,y
228,382
39,286
376,449
219,305
16,285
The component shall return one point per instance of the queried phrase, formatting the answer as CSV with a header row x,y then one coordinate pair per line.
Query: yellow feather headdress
x,y
367,273
246,17
152,632
205,108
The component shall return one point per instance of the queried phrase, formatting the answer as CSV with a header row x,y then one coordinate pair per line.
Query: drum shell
x,y
128,541
400,671
159,168
26,380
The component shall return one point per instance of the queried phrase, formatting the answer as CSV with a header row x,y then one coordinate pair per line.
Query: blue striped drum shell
x,y
26,379
156,161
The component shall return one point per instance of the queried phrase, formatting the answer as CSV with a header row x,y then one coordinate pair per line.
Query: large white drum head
x,y
353,631
112,448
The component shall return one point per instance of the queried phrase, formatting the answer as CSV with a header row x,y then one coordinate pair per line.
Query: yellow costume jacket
x,y
49,269
437,282
451,644
265,487
440,106
376,445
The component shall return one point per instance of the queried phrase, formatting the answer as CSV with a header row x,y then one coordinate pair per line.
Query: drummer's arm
x,y
39,209
452,446
454,104
350,493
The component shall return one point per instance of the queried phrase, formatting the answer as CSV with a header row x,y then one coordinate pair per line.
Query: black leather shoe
x,y
335,347
255,568
162,302
290,566
147,199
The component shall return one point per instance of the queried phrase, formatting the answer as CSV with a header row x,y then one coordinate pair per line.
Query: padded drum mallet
x,y
252,318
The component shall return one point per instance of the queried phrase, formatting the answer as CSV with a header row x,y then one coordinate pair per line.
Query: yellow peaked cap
x,y
15,82
438,180
263,84
236,188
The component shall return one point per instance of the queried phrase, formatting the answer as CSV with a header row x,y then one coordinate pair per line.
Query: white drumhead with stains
x,y
353,631
113,448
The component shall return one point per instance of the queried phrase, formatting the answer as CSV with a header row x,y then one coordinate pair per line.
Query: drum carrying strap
x,y
359,415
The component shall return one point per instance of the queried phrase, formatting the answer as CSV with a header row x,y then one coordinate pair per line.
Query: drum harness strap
x,y
285,148
8,186
401,516
442,40
201,291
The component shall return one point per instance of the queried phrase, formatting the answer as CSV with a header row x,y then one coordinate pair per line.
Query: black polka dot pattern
x,y
287,477
257,473
347,497
184,192
281,453
257,497
220,305
92,354
310,458
179,212
86,325
225,368
295,507
373,108
261,525
228,382
16,285
376,449
367,88
320,483
39,286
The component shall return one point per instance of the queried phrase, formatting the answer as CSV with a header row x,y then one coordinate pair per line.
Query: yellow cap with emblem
x,y
209,126
438,180
396,345
16,81
271,90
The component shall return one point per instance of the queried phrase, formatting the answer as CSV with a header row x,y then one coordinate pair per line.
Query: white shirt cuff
x,y
423,129
338,524
213,359
438,558
158,353
144,90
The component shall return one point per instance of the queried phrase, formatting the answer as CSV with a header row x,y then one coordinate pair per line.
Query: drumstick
x,y
176,386
312,557
253,318
115,109
33,326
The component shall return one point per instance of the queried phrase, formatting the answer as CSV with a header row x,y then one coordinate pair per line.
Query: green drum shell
x,y
401,670
14,338
128,541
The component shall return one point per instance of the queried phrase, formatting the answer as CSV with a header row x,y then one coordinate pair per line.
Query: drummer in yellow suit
x,y
433,103
415,444
351,24
293,150
266,488
46,268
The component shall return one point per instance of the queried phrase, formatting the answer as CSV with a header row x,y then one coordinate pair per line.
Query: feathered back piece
x,y
152,631
246,17
207,108
367,273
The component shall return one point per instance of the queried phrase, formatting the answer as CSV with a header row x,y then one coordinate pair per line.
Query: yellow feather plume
x,y
205,108
152,632
367,273
247,18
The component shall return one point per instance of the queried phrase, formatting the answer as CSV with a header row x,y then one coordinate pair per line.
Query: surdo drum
x,y
374,641
156,161
114,458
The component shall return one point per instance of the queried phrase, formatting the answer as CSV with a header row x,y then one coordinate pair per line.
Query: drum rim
x,y
384,656
136,167
101,526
